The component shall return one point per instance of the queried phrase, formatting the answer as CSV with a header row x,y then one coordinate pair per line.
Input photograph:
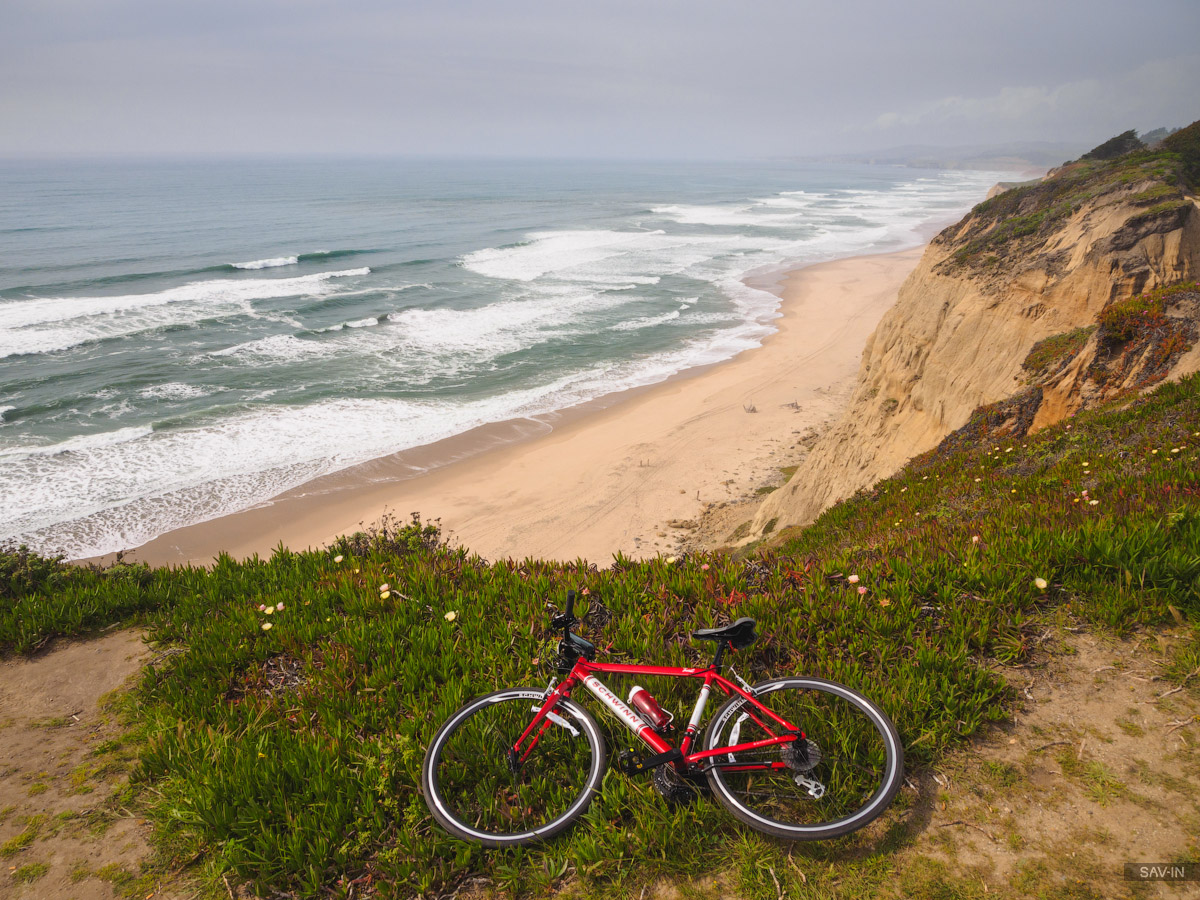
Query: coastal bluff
x,y
1035,266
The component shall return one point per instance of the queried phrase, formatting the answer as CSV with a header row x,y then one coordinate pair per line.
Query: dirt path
x,y
1099,767
63,830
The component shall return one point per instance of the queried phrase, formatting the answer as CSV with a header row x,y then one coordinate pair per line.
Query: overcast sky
x,y
648,78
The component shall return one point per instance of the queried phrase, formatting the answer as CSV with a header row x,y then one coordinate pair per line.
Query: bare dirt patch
x,y
64,829
1099,767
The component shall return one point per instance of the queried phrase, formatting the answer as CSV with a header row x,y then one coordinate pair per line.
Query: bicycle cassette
x,y
801,760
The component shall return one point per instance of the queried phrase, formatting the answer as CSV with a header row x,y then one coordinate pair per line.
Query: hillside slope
x,y
1030,264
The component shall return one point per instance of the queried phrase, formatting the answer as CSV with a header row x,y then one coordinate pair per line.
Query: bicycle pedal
x,y
630,762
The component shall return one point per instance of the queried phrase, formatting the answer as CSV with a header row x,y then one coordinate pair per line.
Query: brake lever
x,y
564,621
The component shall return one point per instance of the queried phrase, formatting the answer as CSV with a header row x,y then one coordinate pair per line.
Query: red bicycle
x,y
797,758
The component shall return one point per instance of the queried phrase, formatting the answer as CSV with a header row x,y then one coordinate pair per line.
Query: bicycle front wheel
x,y
843,775
479,791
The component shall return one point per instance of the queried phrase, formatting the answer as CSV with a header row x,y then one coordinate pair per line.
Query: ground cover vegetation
x,y
1017,221
281,727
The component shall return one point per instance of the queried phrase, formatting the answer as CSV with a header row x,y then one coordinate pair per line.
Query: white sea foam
x,y
646,321
174,390
272,263
278,348
49,324
3,411
85,443
122,489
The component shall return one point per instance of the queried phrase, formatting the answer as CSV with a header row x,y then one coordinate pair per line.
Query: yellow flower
x,y
979,479
269,610
451,616
385,595
884,601
266,626
1040,583
338,558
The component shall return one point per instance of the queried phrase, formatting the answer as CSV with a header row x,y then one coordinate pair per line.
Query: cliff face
x,y
1026,265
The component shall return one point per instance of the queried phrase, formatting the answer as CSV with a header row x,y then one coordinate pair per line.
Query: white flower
x,y
853,579
384,587
1040,583
451,616
338,558
266,626
1093,503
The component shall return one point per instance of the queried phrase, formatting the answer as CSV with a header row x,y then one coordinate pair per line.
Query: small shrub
x,y
22,571
1123,320
1052,354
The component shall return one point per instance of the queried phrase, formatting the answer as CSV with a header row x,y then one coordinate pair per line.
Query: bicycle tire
x,y
474,793
852,755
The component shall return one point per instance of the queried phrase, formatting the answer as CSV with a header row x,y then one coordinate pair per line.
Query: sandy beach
x,y
594,481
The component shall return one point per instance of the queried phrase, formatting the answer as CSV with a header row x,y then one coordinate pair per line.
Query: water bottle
x,y
656,717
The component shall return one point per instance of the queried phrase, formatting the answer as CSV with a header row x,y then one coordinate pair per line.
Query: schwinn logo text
x,y
613,702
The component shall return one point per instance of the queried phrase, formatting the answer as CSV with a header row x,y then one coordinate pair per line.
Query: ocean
x,y
183,340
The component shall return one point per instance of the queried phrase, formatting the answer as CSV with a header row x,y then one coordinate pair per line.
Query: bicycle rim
x,y
478,794
846,773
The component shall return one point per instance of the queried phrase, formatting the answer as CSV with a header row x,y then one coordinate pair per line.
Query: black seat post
x,y
721,645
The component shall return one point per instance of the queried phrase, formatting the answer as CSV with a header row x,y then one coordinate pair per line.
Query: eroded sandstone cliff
x,y
1024,266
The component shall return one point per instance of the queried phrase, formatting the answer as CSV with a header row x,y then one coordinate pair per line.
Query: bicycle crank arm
x,y
633,766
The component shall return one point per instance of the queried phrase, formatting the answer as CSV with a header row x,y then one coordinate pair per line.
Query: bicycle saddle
x,y
740,634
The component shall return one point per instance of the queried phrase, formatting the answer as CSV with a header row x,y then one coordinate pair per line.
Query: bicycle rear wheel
x,y
478,792
844,774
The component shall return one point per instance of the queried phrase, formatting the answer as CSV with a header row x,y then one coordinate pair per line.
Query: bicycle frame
x,y
682,757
